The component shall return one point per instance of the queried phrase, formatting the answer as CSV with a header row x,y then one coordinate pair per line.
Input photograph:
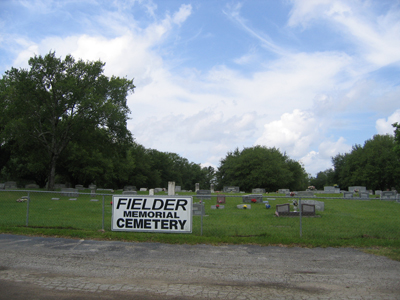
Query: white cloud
x,y
316,161
375,36
184,12
305,11
313,163
328,149
294,133
384,126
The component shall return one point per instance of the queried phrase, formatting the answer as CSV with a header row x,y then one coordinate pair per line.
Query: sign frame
x,y
148,213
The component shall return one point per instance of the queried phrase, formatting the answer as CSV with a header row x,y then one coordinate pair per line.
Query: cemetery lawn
x,y
372,225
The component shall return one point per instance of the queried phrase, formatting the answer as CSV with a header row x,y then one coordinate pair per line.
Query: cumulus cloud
x,y
294,133
384,126
316,161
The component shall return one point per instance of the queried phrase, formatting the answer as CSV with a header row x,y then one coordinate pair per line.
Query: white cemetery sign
x,y
171,214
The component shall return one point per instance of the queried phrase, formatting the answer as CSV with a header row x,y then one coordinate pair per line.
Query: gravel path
x,y
57,268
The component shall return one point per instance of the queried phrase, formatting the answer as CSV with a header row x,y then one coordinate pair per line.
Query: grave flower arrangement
x,y
295,205
244,206
217,206
253,200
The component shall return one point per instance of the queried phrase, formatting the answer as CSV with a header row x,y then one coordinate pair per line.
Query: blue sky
x,y
310,77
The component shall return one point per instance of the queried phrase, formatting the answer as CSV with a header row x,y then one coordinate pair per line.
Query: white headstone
x,y
171,188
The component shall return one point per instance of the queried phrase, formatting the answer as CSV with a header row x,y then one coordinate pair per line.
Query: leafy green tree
x,y
261,167
57,102
397,138
323,178
373,165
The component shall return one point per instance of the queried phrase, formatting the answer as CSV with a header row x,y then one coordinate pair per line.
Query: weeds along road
x,y
57,268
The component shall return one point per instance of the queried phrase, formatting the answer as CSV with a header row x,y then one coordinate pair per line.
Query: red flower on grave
x,y
253,200
217,206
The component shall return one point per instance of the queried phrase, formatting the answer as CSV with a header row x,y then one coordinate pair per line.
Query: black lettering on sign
x,y
168,203
181,203
120,202
157,204
120,223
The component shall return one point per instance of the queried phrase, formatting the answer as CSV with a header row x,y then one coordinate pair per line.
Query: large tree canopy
x,y
261,167
152,168
61,102
373,165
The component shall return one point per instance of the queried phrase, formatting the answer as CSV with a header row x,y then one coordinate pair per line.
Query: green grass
x,y
372,224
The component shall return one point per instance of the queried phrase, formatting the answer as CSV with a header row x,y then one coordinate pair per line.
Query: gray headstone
x,y
364,195
244,206
69,192
79,187
319,205
10,185
282,208
329,189
283,191
217,206
388,195
250,198
378,192
231,189
196,187
305,194
357,189
92,187
129,193
308,208
203,194
129,188
258,191
348,194
198,209
212,188
143,189
157,190
2,185
178,188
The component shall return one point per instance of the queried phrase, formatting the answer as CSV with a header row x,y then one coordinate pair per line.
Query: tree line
x,y
375,165
64,121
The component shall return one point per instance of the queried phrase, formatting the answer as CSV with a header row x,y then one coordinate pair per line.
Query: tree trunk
x,y
52,175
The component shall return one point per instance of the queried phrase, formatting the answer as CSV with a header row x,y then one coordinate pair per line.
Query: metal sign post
x,y
301,233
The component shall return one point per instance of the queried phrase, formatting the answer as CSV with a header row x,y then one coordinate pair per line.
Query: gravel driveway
x,y
57,268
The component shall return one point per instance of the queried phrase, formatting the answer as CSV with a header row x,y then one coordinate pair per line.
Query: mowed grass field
x,y
370,224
